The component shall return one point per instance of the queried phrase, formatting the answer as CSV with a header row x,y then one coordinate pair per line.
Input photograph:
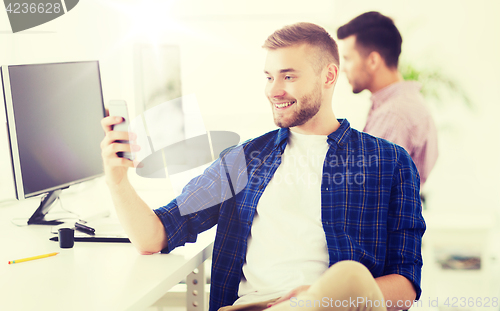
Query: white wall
x,y
222,65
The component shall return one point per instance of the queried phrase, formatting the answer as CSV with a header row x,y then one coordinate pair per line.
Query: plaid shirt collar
x,y
337,138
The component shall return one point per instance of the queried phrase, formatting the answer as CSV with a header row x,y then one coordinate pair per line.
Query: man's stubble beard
x,y
310,103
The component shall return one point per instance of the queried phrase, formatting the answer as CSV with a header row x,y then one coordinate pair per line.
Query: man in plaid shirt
x,y
312,215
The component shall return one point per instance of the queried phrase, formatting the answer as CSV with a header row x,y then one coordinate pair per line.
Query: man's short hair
x,y
374,32
306,33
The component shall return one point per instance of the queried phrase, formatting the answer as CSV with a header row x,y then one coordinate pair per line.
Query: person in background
x,y
371,48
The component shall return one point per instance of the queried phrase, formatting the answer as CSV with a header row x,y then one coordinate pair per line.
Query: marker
x,y
32,258
83,228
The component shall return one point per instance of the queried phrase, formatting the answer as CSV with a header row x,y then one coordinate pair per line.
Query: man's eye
x,y
288,78
269,78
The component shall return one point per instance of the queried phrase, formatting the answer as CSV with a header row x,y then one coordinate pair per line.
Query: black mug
x,y
66,237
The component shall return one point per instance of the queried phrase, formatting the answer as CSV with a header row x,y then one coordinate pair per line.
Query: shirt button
x,y
326,188
261,186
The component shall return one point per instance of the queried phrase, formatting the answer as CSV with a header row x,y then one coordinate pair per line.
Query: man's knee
x,y
354,278
352,271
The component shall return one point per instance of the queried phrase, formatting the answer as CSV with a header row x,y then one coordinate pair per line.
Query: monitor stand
x,y
38,217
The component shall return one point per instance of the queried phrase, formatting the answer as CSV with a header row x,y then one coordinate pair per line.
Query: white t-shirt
x,y
287,244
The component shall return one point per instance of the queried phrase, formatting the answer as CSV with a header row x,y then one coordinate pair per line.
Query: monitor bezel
x,y
12,133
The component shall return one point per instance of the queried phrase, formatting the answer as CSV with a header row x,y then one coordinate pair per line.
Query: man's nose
x,y
275,89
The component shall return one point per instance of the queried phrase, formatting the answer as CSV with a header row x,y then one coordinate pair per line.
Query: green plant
x,y
435,84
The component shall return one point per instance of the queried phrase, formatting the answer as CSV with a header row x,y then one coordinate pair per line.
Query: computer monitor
x,y
53,119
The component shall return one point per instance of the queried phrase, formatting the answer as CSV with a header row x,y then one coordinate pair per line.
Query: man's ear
x,y
374,61
332,74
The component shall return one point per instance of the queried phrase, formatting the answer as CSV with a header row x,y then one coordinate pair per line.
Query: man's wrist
x,y
117,184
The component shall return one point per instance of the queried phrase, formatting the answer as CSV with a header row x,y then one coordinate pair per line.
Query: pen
x,y
32,258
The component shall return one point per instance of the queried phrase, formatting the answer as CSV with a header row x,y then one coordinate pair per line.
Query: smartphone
x,y
119,108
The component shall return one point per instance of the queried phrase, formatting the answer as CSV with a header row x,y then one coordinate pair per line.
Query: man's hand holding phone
x,y
118,144
143,228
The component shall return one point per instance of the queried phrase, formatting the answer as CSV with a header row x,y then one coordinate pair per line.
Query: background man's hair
x,y
308,33
374,32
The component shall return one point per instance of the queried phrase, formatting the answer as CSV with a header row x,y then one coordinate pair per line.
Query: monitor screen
x,y
53,113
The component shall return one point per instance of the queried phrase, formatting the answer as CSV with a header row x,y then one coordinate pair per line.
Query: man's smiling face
x,y
293,86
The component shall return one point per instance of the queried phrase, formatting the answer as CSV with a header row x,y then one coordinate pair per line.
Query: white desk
x,y
89,276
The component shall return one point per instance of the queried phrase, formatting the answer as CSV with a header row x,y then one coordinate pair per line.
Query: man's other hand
x,y
293,293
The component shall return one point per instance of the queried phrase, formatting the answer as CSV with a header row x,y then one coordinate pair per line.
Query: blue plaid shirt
x,y
370,207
